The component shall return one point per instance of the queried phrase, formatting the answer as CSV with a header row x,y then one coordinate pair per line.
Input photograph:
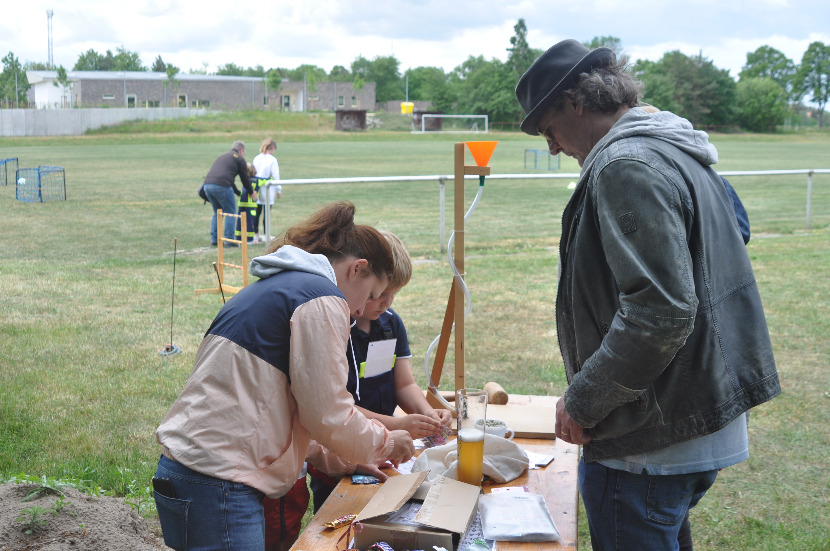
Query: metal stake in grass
x,y
172,349
215,269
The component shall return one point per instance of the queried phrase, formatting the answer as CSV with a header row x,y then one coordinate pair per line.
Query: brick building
x,y
148,89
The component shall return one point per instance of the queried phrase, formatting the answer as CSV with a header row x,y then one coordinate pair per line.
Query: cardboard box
x,y
445,515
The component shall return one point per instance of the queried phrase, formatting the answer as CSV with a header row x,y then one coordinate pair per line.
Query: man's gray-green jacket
x,y
659,317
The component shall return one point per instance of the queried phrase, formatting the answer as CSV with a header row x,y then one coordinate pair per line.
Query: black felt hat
x,y
554,71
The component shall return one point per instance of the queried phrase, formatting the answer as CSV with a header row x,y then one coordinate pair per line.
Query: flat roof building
x,y
216,92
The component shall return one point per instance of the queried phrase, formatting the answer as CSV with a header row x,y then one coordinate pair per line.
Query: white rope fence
x,y
570,176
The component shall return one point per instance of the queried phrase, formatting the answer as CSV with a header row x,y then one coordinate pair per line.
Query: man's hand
x,y
566,428
402,449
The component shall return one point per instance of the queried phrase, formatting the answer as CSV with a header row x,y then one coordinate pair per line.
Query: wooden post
x,y
220,233
458,258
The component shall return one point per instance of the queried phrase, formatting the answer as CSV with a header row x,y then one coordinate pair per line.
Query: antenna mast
x,y
49,14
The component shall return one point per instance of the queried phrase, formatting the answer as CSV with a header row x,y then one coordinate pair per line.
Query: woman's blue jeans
x,y
208,513
638,511
221,197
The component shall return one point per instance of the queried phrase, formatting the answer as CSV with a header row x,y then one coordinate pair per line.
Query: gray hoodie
x,y
289,257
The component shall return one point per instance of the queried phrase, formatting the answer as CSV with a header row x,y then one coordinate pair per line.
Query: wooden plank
x,y
527,421
557,484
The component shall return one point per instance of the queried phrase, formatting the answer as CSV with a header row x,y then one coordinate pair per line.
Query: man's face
x,y
564,129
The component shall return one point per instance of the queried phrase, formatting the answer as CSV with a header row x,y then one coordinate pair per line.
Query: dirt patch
x,y
82,523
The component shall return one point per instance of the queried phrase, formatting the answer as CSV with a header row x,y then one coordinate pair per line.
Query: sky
x,y
206,34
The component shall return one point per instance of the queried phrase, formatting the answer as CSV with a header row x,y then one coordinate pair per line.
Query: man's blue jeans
x,y
208,513
221,197
638,511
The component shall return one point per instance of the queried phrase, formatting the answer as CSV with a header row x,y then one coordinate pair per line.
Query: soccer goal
x,y
8,168
44,183
450,124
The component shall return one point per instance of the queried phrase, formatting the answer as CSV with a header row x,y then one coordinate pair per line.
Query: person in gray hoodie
x,y
659,317
268,388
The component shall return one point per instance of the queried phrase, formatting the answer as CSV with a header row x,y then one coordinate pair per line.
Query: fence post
x,y
441,200
809,196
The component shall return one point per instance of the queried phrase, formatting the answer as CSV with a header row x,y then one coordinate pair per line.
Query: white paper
x,y
538,460
380,358
406,468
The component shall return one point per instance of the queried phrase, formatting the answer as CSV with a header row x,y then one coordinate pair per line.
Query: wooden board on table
x,y
528,416
526,421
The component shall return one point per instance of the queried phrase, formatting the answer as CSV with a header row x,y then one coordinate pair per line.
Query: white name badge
x,y
380,358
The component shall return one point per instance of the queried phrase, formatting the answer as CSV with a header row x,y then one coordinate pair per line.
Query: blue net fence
x,y
44,183
8,168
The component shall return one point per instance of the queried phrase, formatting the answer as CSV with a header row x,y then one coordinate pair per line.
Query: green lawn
x,y
86,299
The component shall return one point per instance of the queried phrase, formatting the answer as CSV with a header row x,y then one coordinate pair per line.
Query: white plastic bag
x,y
516,517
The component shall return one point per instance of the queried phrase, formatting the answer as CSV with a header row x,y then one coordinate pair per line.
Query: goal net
x,y
44,183
449,124
8,168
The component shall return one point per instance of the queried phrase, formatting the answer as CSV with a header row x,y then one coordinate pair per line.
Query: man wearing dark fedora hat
x,y
659,318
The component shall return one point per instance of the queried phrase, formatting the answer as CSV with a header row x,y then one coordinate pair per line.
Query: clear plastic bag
x,y
516,517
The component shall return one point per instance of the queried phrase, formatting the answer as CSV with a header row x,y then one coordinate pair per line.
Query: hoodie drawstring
x,y
354,361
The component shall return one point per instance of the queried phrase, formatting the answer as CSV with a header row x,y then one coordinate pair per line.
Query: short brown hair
x,y
402,270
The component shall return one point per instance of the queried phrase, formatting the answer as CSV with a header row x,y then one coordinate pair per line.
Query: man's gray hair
x,y
238,145
604,89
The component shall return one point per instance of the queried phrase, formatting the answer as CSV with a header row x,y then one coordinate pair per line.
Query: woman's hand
x,y
373,469
402,447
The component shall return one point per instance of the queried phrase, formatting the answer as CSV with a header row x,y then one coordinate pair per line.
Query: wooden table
x,y
556,482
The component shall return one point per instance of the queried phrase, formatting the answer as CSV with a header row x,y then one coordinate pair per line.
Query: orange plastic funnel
x,y
481,151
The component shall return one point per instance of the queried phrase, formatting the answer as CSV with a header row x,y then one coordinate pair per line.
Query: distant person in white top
x,y
267,171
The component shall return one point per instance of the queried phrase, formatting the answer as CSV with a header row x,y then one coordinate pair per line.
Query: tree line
x,y
769,90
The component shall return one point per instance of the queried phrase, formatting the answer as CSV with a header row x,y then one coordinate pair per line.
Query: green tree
x,y
612,42
172,83
310,74
520,56
425,83
125,60
13,82
90,61
273,80
159,66
761,102
36,66
230,69
62,81
813,76
485,88
692,87
258,71
383,71
659,86
769,62
339,73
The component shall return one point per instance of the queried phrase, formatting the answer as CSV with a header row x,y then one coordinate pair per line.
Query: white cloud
x,y
437,33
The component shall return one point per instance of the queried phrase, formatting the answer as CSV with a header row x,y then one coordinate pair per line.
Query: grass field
x,y
86,299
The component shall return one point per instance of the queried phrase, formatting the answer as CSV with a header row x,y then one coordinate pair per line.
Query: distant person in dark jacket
x,y
220,188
